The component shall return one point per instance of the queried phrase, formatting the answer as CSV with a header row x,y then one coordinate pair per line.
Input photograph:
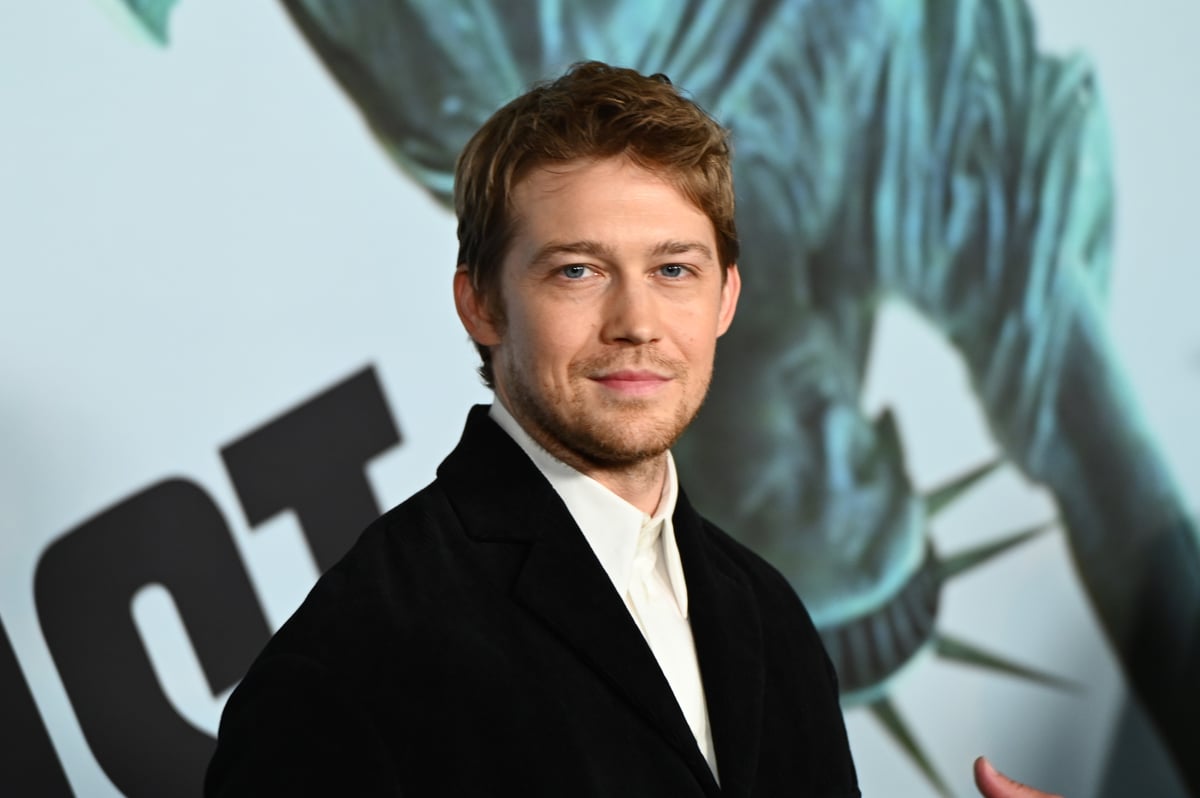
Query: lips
x,y
632,382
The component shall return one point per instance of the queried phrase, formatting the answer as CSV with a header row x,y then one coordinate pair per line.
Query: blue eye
x,y
575,271
672,270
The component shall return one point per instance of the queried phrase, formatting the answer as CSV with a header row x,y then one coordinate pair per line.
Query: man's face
x,y
613,300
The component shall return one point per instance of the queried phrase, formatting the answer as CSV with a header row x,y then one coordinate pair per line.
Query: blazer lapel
x,y
501,496
566,587
728,633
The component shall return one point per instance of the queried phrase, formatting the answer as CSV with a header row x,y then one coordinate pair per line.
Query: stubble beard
x,y
617,433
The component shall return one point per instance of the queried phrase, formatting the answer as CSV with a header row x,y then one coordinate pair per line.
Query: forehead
x,y
611,196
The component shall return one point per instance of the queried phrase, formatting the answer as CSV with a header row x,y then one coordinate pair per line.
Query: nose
x,y
631,314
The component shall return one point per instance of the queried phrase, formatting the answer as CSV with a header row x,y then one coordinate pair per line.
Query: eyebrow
x,y
584,247
597,249
683,248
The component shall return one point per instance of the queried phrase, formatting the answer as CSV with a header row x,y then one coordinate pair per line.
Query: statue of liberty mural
x,y
916,149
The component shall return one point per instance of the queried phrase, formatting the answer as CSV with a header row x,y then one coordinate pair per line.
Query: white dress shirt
x,y
614,528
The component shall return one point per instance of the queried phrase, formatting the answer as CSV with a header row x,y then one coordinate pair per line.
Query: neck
x,y
640,484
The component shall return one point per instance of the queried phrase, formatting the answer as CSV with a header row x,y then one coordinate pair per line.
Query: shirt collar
x,y
610,524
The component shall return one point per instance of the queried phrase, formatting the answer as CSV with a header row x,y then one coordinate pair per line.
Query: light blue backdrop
x,y
194,240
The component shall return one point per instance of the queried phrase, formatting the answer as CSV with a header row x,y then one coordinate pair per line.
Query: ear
x,y
473,310
730,290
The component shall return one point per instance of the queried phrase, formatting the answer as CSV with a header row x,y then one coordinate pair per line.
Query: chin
x,y
615,443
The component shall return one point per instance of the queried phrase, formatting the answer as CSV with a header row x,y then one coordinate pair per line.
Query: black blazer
x,y
470,644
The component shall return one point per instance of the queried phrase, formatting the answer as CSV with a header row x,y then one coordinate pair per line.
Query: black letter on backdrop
x,y
170,534
28,763
312,460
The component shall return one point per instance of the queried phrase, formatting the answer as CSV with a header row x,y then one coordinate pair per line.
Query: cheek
x,y
698,339
558,339
537,350
699,353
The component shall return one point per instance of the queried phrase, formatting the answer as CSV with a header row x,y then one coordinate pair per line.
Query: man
x,y
550,616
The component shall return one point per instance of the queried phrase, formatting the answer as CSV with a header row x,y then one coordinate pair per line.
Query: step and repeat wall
x,y
960,389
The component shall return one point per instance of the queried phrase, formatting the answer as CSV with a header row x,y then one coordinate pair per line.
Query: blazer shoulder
x,y
378,582
764,576
784,609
